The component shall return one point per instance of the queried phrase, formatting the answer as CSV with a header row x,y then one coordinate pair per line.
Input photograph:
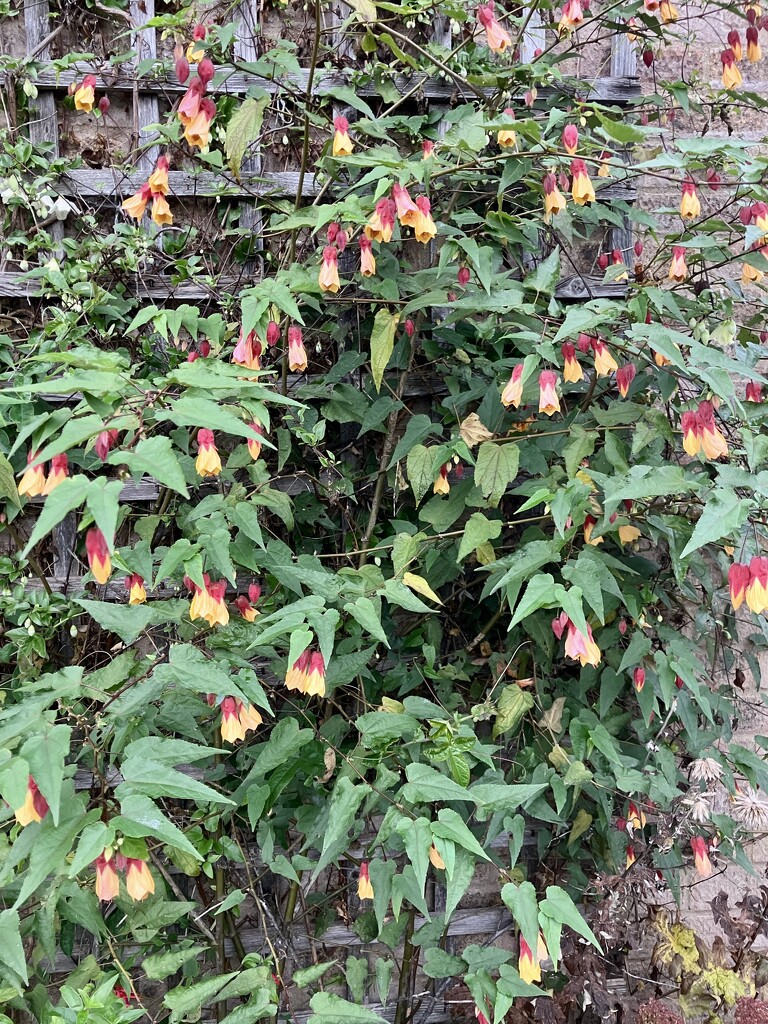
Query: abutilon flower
x,y
713,179
198,131
98,554
342,143
328,278
246,609
754,392
273,333
138,879
739,578
701,856
424,228
442,484
498,38
135,206
624,377
463,276
528,967
734,41
58,473
427,149
208,462
554,200
315,681
254,443
106,440
570,139
631,858
189,107
205,71
618,260
435,859
549,403
407,211
713,444
249,716
589,524
237,719
35,806
367,259
573,15
581,648
750,274
32,482
513,392
137,593
604,170
585,342
248,350
379,227
668,12
296,676
85,94
731,76
181,66
757,589
161,211
678,269
754,53
410,327
638,678
582,189
297,354
507,137
628,534
216,612
690,207
364,887
158,179
605,364
572,371
107,882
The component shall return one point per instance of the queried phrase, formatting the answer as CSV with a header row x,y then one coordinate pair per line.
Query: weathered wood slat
x,y
147,109
246,49
609,88
111,181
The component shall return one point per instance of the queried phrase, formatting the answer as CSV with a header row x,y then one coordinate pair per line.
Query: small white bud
x,y
31,630
285,140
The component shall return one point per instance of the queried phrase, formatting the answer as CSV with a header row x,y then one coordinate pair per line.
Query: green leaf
x,y
382,343
343,806
426,785
356,975
244,129
154,779
496,469
724,514
365,10
419,468
450,825
479,530
130,621
524,907
139,816
419,427
103,501
187,1000
364,611
11,950
309,975
384,969
331,1009
559,906
513,705
439,964
581,443
159,966
69,495
546,275
154,456
8,487
45,754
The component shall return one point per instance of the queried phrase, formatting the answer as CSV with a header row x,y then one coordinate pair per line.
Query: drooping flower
x,y
342,143
35,806
407,211
138,879
205,71
754,392
701,856
427,149
217,613
85,94
604,170
135,206
59,472
690,207
367,259
248,350
107,882
582,188
605,364
98,554
638,678
739,578
507,137
581,648
528,966
572,371
631,857
691,428
513,392
554,200
296,676
668,12
273,333
463,276
589,524
249,716
734,41
161,211
208,461
297,354
379,227
731,76
754,52
496,36
237,719
33,480
549,403
245,608
573,15
328,279
628,534
315,682
424,229
364,887
158,179
757,589
442,484
713,444
198,131
750,274
678,269
106,440
570,139
254,443
137,593
189,107
435,859
624,377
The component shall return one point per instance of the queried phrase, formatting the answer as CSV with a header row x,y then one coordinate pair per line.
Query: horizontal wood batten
x,y
608,88
113,182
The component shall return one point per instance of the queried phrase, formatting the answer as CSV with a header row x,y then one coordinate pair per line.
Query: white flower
x,y
61,209
699,808
751,809
706,769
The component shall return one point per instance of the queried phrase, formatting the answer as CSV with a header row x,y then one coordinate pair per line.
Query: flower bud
x,y
602,261
410,328
182,69
104,104
205,70
647,57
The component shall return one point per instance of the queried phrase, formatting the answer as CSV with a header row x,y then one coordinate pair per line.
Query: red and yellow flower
x,y
754,52
379,227
297,354
248,350
739,578
85,94
208,461
757,589
32,483
424,228
690,207
572,371
408,212
58,473
678,269
581,648
731,76
328,278
605,364
139,882
513,392
549,403
570,139
342,143
573,15
364,887
254,443
136,205
98,554
554,200
624,377
582,189
35,806
507,137
137,593
107,881
701,859
496,36
367,259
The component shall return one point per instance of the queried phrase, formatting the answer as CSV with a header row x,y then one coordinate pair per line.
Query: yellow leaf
x,y
581,823
364,9
420,585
